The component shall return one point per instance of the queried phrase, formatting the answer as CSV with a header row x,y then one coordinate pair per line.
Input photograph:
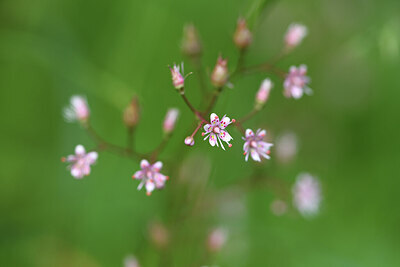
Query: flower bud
x,y
216,239
132,113
191,45
219,76
263,93
170,120
159,234
242,36
295,34
78,110
177,78
189,141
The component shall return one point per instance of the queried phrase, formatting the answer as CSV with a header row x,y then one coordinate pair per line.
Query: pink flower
x,y
177,79
170,120
131,261
189,141
215,131
296,82
263,93
255,146
150,176
217,239
80,162
295,34
219,76
286,147
77,110
307,194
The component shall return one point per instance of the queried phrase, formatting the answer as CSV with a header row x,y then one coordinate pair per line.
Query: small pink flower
x,y
170,120
189,141
263,92
177,79
77,110
296,82
295,34
255,146
286,147
307,194
217,239
215,131
80,162
219,76
150,176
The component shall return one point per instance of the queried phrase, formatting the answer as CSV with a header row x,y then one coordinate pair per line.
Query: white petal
x,y
76,172
80,150
150,186
144,164
225,136
157,166
91,157
214,119
249,133
212,139
261,133
138,175
297,92
225,122
255,155
207,127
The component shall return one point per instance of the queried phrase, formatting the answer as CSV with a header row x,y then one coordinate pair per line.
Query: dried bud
x,y
132,113
189,141
170,120
242,36
177,79
295,34
191,45
263,93
219,76
78,110
159,234
216,239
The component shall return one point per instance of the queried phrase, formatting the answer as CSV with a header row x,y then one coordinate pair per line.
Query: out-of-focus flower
x,y
296,82
78,110
286,147
278,207
177,79
170,120
255,146
159,234
215,131
131,114
189,141
80,162
295,34
242,36
150,176
219,75
191,45
131,261
307,194
217,239
263,93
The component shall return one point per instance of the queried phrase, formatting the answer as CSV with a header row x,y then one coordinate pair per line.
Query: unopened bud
x,y
263,93
132,113
177,79
295,34
189,141
191,45
242,36
216,239
170,120
219,76
159,234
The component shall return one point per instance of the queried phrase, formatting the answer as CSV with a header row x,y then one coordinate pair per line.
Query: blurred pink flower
x,y
177,78
296,82
295,34
77,110
263,92
80,162
307,194
286,147
170,120
217,239
255,146
189,141
131,261
215,131
150,176
219,75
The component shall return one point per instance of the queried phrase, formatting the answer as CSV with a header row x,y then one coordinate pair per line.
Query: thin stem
x,y
193,109
129,143
239,126
214,98
160,147
197,128
248,116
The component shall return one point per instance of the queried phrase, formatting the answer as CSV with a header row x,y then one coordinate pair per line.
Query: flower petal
x,y
207,128
261,133
214,119
225,136
76,171
255,155
212,139
249,133
157,166
150,186
91,157
225,122
80,150
144,164
138,175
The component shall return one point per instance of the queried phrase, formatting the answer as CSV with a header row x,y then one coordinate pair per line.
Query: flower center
x,y
216,130
253,143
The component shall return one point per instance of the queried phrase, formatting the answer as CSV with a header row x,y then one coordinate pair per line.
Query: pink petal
x,y
255,155
157,166
249,133
144,164
80,150
207,127
261,133
86,169
225,136
91,157
76,171
138,175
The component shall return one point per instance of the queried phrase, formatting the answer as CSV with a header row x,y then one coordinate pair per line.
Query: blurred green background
x,y
111,50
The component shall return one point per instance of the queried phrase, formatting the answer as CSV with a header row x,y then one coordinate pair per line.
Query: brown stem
x,y
193,109
214,98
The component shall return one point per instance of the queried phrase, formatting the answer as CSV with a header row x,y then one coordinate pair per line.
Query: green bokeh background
x,y
110,50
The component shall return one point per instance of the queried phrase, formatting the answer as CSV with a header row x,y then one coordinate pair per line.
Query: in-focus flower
x,y
170,120
242,36
307,194
132,113
215,131
296,82
286,147
78,110
177,79
131,261
263,93
150,176
217,239
189,141
295,34
219,75
255,146
80,162
191,45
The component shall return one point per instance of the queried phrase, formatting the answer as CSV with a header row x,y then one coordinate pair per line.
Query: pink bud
x,y
159,234
77,110
132,113
219,76
295,34
191,45
189,141
170,120
216,239
263,93
177,78
242,36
